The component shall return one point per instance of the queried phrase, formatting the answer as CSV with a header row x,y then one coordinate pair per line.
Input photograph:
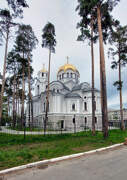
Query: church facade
x,y
68,98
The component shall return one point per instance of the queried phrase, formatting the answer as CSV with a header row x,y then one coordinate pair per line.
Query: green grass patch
x,y
14,150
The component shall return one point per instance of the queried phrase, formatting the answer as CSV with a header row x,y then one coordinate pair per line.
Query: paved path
x,y
10,131
107,165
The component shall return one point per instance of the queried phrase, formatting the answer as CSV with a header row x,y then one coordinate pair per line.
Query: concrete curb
x,y
45,162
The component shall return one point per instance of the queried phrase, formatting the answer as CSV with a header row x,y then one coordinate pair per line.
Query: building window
x,y
67,75
95,120
71,75
42,74
38,89
85,106
58,91
62,124
84,97
95,105
44,107
53,90
62,75
73,107
85,120
48,106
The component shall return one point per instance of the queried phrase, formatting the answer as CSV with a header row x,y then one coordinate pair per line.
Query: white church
x,y
68,98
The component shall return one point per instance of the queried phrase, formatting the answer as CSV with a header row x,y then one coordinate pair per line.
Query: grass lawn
x,y
14,150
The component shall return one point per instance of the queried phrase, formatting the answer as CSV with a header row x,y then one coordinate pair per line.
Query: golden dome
x,y
43,70
66,67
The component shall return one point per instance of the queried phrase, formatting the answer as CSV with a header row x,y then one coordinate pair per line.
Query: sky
x,y
64,17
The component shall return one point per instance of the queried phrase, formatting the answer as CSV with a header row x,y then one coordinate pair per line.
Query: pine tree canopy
x,y
48,37
118,38
87,10
26,40
17,5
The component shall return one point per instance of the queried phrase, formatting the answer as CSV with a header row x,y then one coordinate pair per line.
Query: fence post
x,y
24,123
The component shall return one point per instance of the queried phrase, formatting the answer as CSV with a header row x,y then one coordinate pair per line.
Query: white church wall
x,y
60,108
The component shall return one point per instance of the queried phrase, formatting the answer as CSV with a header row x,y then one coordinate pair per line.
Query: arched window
x,y
84,97
54,90
95,105
85,120
73,107
42,74
71,75
44,107
62,75
48,106
85,106
58,91
95,120
38,90
67,75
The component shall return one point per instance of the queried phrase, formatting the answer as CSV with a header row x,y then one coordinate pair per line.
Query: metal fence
x,y
56,128
38,128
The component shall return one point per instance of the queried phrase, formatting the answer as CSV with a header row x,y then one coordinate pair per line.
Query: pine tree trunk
x,y
101,94
120,94
16,101
18,98
30,95
92,68
14,117
32,116
23,93
8,104
103,77
3,79
47,97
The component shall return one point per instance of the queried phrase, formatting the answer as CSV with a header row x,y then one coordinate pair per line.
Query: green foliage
x,y
48,37
118,84
118,38
114,65
16,6
87,10
26,39
5,19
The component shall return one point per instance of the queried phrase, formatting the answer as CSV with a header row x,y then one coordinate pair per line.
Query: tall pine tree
x,y
102,11
49,42
118,39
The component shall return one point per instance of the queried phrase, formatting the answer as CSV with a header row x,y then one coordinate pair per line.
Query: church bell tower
x,y
42,81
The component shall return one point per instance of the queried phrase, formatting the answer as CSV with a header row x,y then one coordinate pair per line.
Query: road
x,y
106,165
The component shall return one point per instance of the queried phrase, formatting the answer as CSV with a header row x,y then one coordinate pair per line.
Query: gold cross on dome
x,y
67,60
43,66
